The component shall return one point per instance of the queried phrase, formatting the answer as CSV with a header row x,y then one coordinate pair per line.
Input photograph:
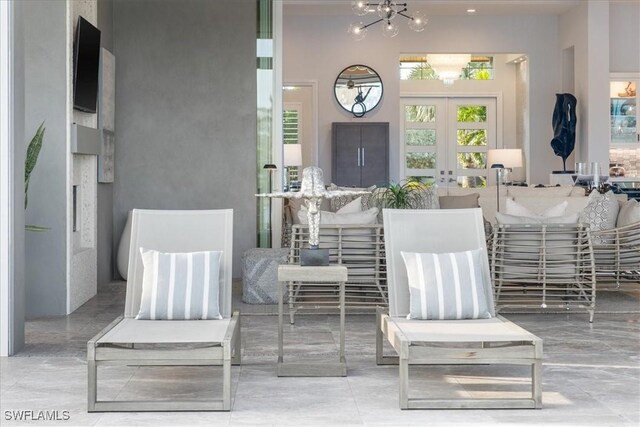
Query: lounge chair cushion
x,y
446,286
180,286
135,331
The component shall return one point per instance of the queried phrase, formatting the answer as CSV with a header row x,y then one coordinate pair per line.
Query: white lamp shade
x,y
507,157
292,155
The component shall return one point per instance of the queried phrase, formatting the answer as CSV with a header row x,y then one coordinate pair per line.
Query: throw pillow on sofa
x,y
332,218
514,208
353,206
459,202
629,213
601,212
338,202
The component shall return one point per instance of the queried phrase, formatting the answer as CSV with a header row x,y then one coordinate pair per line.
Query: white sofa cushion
x,y
514,208
516,220
560,191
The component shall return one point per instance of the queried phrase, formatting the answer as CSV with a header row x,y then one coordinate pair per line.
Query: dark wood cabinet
x,y
360,154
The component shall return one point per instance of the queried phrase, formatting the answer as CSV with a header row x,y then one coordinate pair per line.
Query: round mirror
x,y
358,89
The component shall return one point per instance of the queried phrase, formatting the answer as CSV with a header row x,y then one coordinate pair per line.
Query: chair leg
x,y
381,359
237,346
403,378
92,385
379,337
226,385
536,382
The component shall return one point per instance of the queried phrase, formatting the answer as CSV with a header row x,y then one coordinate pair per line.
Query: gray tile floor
x,y
591,374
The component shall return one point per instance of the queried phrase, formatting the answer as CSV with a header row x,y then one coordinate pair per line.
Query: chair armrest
x,y
106,329
230,335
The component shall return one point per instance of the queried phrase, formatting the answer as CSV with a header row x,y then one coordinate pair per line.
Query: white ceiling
x,y
440,7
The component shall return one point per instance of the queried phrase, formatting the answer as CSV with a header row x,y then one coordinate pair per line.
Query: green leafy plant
x,y
33,151
405,194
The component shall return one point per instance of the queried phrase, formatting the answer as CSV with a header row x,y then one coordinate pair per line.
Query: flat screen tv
x,y
86,61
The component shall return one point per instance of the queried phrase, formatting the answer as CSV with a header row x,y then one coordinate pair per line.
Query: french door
x,y
446,139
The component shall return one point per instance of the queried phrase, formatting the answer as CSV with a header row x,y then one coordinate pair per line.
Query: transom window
x,y
417,67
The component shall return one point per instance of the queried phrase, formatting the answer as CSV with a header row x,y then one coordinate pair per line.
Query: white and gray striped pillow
x,y
447,286
180,286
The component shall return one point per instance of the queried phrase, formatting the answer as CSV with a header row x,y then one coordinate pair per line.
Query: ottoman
x,y
260,274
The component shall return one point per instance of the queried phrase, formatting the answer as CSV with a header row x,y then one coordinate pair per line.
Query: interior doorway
x,y
300,119
445,139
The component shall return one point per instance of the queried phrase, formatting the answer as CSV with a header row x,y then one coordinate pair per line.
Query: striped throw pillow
x,y
180,286
447,286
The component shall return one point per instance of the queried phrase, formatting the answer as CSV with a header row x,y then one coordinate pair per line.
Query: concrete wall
x,y
624,37
326,36
45,91
19,283
186,116
105,191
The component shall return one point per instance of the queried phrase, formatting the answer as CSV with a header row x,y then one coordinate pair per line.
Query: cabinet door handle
x,y
358,157
362,162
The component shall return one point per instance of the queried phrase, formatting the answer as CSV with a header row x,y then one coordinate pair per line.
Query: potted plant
x,y
406,194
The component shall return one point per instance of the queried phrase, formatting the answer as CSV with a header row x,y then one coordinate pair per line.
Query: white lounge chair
x,y
128,341
448,342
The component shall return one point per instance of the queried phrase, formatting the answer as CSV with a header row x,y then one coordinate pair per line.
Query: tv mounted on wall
x,y
86,61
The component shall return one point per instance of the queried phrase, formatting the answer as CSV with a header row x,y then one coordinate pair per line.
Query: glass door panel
x,y
447,139
624,113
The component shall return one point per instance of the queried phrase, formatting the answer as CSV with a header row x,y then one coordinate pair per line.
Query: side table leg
x,y
291,306
280,320
342,315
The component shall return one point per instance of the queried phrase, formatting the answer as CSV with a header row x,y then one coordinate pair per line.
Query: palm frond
x,y
33,151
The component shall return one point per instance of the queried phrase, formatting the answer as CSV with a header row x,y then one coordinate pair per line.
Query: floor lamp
x,y
271,169
503,159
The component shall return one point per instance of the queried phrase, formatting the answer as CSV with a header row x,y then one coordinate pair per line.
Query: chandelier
x,y
449,66
387,11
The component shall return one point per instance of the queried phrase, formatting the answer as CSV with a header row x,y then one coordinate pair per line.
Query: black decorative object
x,y
358,89
564,127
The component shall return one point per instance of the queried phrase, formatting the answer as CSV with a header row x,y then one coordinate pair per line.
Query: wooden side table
x,y
330,275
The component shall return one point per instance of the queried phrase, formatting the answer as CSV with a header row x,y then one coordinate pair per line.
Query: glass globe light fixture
x,y
359,7
418,21
387,9
357,31
390,29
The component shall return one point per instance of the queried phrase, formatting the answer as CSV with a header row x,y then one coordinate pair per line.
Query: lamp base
x,y
314,257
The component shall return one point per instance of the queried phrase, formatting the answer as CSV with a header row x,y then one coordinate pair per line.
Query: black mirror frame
x,y
335,96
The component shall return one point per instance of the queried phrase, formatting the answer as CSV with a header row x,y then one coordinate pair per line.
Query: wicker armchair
x,y
617,256
361,249
543,266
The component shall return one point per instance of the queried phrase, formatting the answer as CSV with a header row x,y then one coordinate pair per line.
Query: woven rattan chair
x,y
131,342
617,257
538,266
448,342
